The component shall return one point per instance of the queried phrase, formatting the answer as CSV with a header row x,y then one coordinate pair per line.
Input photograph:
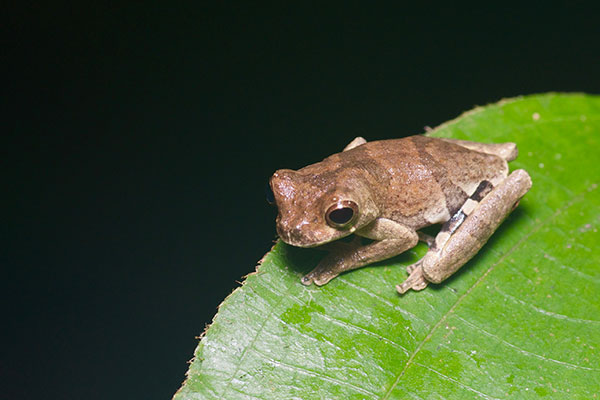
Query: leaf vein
x,y
523,351
314,374
304,335
347,324
384,301
546,312
462,385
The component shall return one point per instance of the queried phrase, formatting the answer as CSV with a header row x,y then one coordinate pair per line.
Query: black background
x,y
141,136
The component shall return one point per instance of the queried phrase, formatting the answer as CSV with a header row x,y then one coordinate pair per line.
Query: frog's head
x,y
316,208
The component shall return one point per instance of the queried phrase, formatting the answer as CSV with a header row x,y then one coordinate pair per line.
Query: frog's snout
x,y
299,235
292,236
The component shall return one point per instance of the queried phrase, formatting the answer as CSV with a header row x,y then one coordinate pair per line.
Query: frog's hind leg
x,y
429,241
425,238
507,151
468,230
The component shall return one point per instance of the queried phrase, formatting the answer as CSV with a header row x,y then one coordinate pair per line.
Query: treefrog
x,y
387,191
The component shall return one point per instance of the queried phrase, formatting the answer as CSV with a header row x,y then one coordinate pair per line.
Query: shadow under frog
x,y
388,191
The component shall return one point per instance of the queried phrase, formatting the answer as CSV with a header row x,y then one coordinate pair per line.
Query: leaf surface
x,y
520,320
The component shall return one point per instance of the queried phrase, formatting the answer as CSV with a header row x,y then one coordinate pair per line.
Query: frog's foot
x,y
319,276
410,268
333,264
415,281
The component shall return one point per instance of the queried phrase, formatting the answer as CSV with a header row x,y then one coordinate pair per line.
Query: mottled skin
x,y
386,191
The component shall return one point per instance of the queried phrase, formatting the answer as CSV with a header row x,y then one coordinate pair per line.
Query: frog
x,y
385,192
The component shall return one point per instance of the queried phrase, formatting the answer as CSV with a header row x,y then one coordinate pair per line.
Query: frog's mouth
x,y
306,235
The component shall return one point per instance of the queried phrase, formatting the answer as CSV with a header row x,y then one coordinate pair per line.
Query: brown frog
x,y
390,189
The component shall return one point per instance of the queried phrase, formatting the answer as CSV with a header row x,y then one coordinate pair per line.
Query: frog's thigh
x,y
454,247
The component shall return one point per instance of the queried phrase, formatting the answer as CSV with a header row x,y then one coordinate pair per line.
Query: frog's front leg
x,y
391,238
468,230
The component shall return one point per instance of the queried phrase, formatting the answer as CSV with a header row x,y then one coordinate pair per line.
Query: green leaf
x,y
520,320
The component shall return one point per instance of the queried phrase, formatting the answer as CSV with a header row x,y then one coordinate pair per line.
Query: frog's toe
x,y
319,276
322,280
306,280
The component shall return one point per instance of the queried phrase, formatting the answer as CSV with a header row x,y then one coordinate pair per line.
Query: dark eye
x,y
269,194
342,214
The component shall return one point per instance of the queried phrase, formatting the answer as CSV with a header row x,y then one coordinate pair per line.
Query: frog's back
x,y
424,180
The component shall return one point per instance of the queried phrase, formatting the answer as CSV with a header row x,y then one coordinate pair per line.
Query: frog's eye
x,y
342,214
269,194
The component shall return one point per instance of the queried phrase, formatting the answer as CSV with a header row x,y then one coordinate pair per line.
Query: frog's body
x,y
387,190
